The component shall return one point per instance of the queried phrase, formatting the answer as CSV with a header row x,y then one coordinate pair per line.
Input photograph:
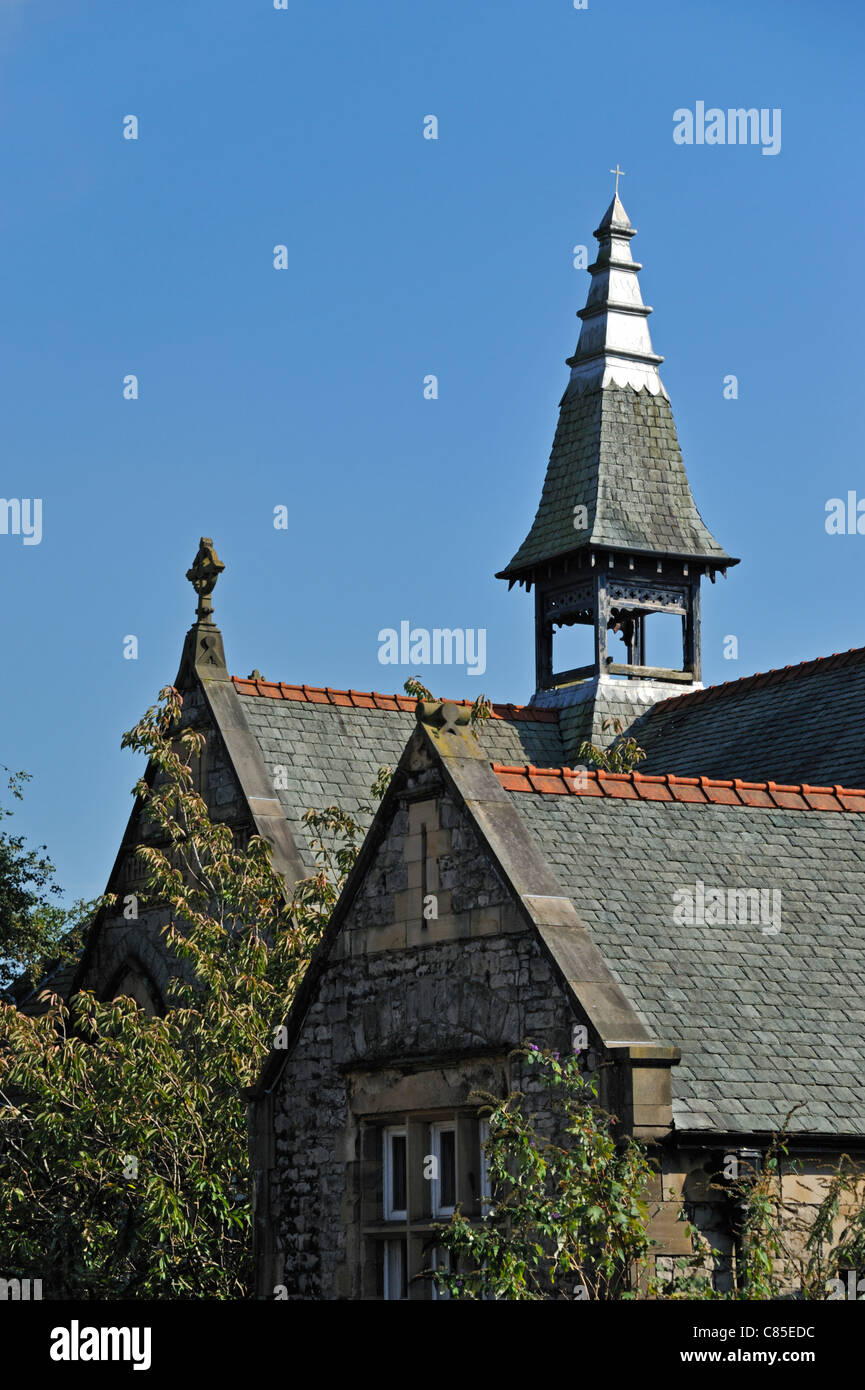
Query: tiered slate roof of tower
x,y
615,449
617,537
763,1019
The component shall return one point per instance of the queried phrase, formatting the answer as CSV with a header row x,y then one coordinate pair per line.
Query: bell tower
x,y
617,538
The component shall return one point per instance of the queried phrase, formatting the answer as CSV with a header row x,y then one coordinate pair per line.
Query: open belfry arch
x,y
617,537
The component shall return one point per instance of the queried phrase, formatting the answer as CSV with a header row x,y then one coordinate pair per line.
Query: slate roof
x,y
57,979
617,452
332,743
764,1020
800,724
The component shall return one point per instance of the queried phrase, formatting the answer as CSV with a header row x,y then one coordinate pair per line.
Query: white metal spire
x,y
615,347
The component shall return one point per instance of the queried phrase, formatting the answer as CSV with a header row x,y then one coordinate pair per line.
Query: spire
x,y
617,537
615,347
615,480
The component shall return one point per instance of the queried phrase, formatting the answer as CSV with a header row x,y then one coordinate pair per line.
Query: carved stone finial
x,y
206,569
443,714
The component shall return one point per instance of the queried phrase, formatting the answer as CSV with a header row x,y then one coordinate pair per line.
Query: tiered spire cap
x,y
615,347
615,482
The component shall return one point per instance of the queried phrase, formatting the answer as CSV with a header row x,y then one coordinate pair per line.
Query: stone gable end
x,y
410,1015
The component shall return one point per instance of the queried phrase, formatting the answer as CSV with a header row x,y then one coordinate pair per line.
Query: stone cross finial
x,y
206,569
619,173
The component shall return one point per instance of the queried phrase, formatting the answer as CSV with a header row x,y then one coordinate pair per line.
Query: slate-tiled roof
x,y
764,1020
801,724
331,746
57,980
616,452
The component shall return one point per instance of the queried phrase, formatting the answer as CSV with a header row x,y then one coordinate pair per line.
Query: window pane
x,y
395,1286
448,1168
483,1136
398,1163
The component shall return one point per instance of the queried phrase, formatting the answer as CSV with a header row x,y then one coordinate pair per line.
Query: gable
x,y
428,952
447,834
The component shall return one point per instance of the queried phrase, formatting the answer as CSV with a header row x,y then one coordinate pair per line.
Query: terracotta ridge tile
x,y
311,693
630,786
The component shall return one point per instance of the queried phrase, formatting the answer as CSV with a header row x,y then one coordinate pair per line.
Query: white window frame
x,y
486,1189
436,1131
392,1132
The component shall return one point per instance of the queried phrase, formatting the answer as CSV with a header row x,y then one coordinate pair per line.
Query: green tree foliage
x,y
123,1152
570,1218
34,929
622,755
567,1218
782,1249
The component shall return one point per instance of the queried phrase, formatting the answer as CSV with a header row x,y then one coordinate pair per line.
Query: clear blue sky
x,y
407,257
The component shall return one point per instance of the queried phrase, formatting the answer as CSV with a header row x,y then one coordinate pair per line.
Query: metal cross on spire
x,y
618,173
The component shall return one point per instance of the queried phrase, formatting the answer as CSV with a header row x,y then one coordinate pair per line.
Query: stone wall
x,y
410,1015
692,1178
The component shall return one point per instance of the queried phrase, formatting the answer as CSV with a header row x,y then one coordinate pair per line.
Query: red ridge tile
x,y
618,785
821,799
688,789
514,781
787,798
372,699
753,794
547,782
631,786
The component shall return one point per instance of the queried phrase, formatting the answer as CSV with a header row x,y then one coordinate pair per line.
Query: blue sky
x,y
407,256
